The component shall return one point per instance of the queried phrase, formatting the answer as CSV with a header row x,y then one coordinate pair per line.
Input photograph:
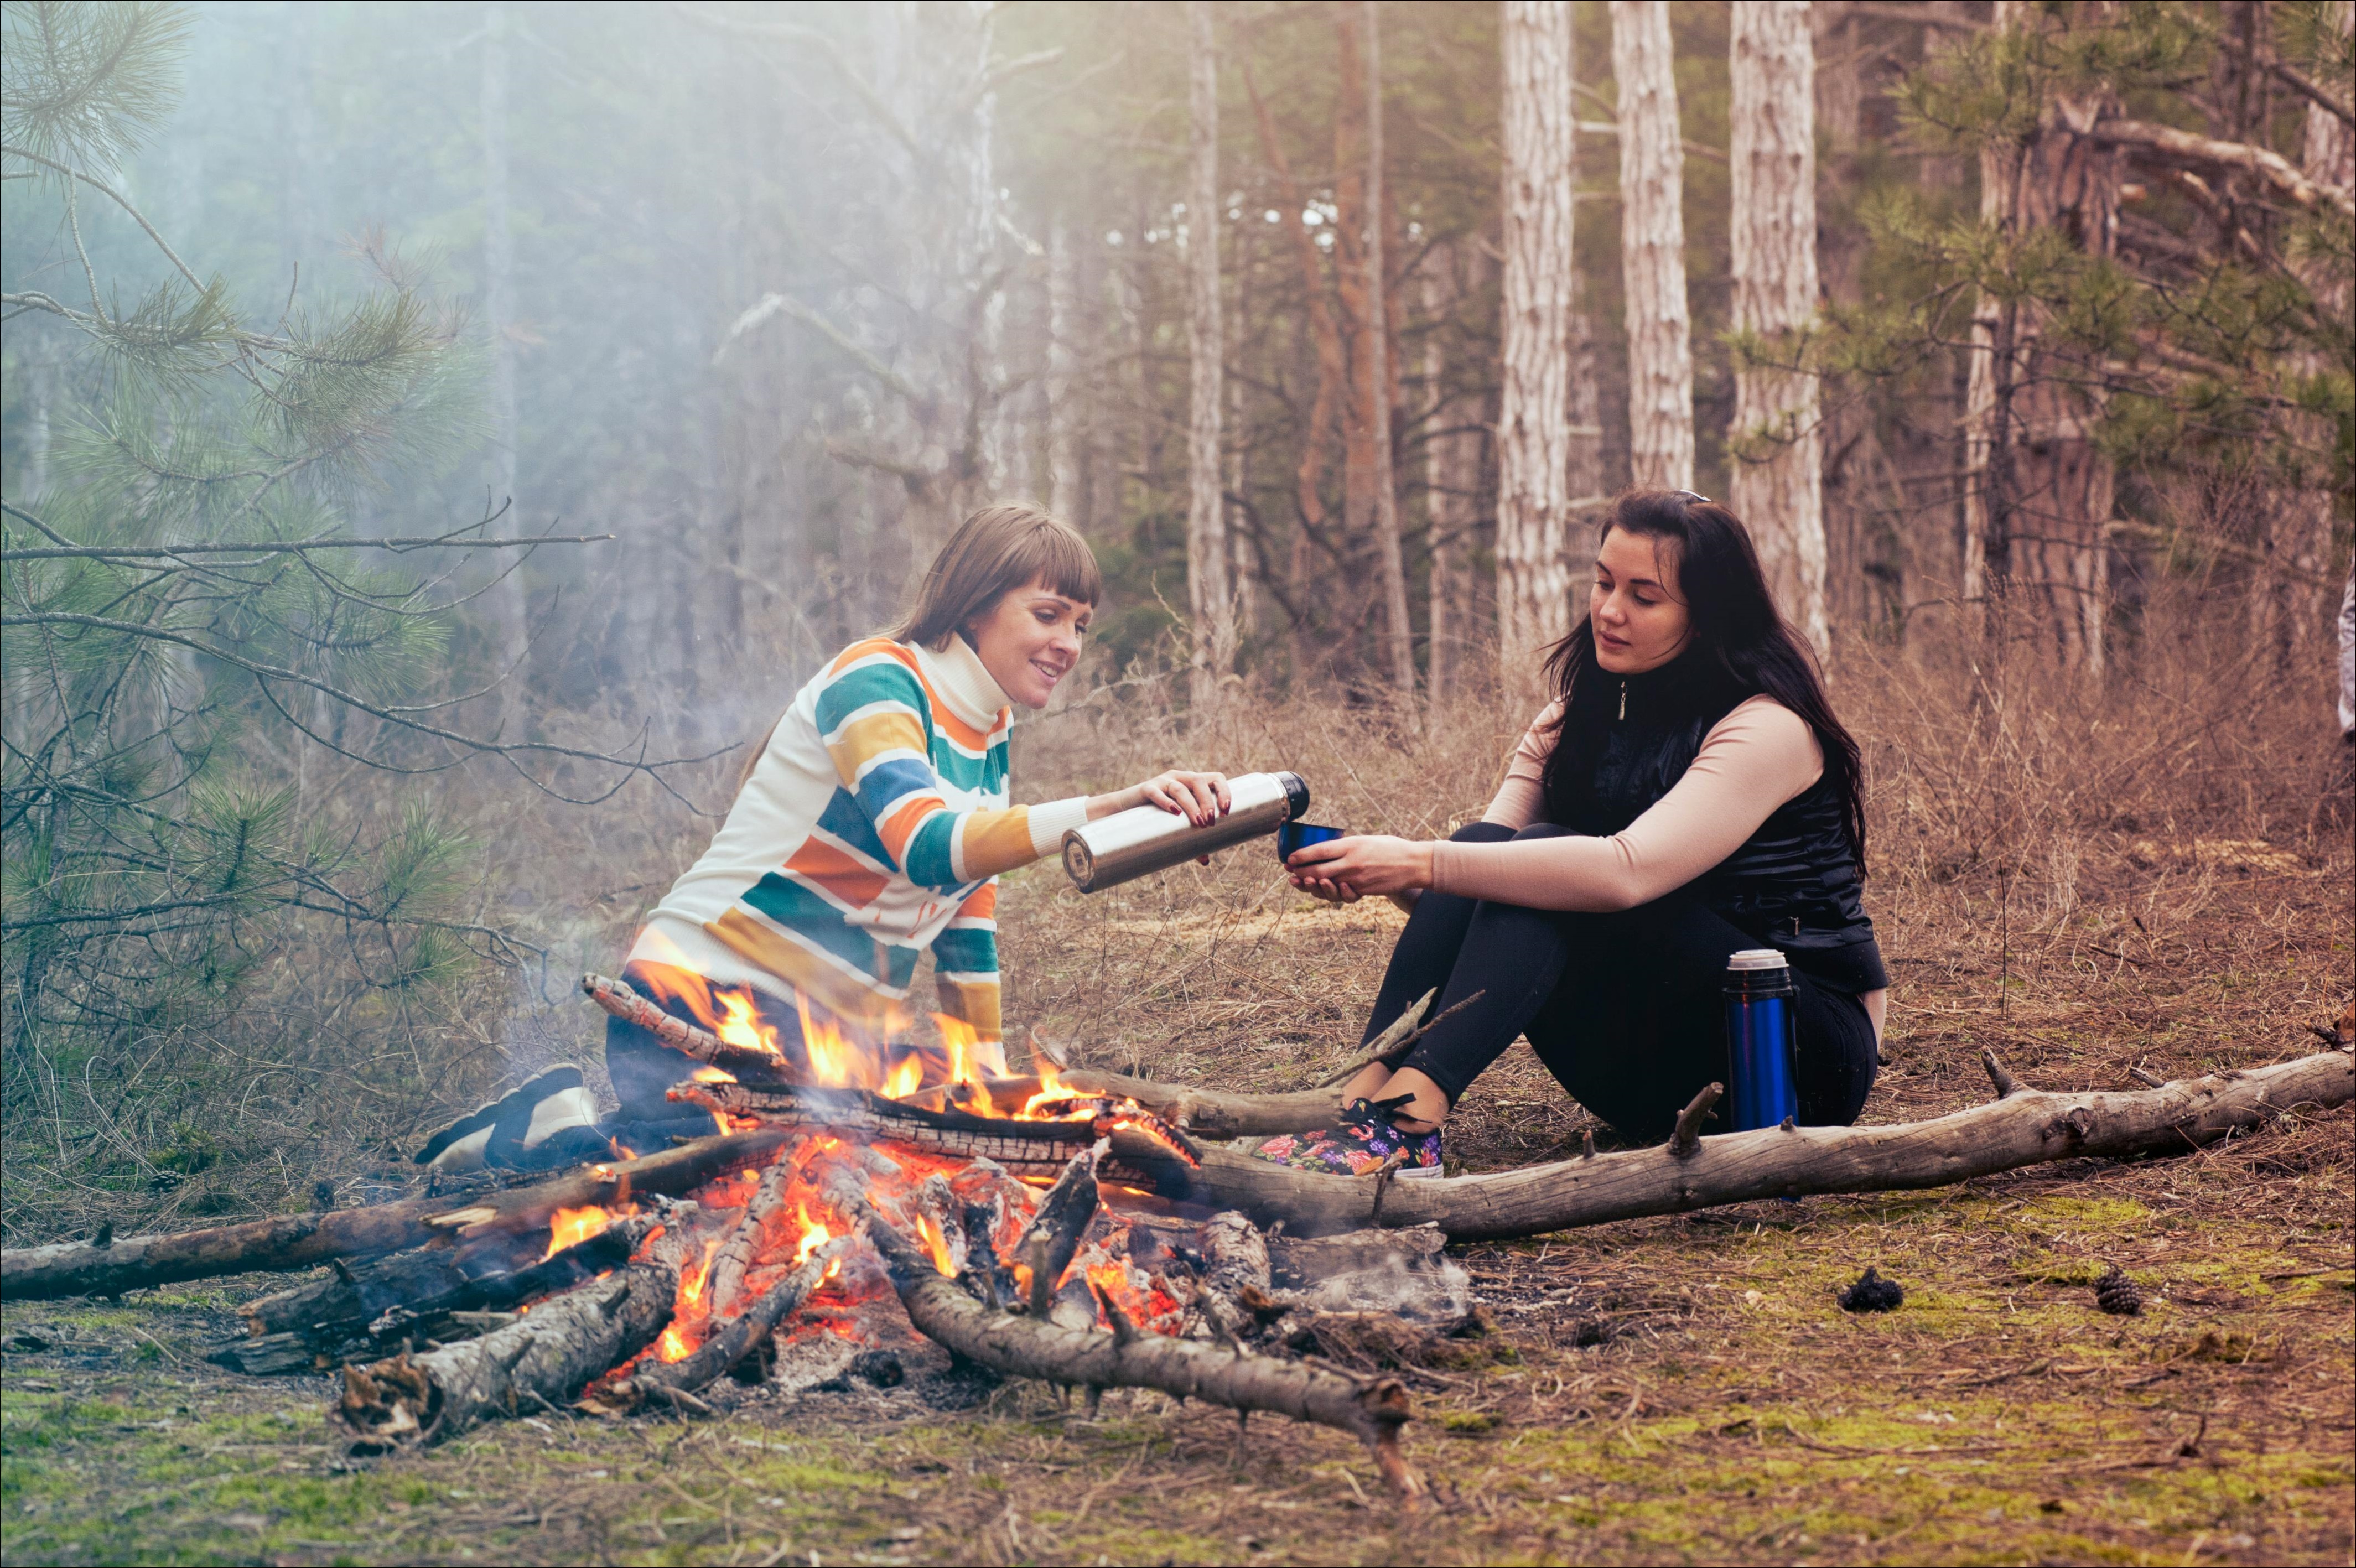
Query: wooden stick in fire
x,y
730,1341
748,1066
1025,1345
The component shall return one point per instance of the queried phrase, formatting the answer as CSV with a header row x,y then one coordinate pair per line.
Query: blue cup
x,y
1301,835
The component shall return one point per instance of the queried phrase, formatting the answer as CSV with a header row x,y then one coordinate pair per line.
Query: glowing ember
x,y
571,1226
673,1346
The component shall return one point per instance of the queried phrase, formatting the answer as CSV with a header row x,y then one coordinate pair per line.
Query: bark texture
x,y
1380,377
2024,1128
2037,491
1210,597
1452,461
536,1362
1533,426
1653,247
1777,478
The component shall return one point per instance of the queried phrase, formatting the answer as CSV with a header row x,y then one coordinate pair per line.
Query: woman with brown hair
x,y
869,829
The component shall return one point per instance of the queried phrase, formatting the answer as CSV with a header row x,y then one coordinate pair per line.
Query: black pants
x,y
1626,1008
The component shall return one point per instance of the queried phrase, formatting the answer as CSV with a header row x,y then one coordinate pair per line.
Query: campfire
x,y
1073,1226
1027,1225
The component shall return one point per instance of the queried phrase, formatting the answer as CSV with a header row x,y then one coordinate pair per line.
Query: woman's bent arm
x,y
1752,761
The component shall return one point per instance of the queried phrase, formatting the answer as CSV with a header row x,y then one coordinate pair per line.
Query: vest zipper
x,y
1624,699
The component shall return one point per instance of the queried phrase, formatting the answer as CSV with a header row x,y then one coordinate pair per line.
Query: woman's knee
x,y
1541,830
1481,833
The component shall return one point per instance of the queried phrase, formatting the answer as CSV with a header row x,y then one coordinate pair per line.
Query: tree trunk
x,y
1208,594
1777,484
1840,259
1653,247
1533,422
2034,547
1378,376
1451,471
2295,604
1066,495
508,604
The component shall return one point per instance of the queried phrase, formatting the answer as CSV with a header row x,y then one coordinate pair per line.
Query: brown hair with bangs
x,y
993,553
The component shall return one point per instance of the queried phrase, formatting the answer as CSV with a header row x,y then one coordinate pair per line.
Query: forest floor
x,y
1667,1390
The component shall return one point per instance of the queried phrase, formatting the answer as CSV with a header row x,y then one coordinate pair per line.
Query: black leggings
x,y
1626,1008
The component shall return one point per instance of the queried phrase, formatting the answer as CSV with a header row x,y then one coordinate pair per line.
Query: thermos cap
x,y
1756,958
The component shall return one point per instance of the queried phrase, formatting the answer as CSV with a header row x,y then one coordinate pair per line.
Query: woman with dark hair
x,y
1687,793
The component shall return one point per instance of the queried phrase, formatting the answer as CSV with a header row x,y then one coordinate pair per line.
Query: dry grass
x,y
2088,883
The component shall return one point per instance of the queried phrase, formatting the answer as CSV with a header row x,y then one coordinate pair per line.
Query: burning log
x,y
1027,1345
542,1360
1047,1247
426,1293
653,1382
617,998
2025,1127
734,1259
302,1242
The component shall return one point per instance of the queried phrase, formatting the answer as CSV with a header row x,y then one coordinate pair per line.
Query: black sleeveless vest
x,y
1794,884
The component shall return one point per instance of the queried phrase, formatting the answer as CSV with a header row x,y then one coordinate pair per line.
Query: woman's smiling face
x,y
1640,619
1030,640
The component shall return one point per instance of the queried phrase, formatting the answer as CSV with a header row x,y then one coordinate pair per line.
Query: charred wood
x,y
1020,1345
730,1342
538,1362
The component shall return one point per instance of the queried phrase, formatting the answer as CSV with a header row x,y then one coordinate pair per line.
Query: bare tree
x,y
1534,499
1064,494
2037,489
1378,390
1207,592
1451,473
1777,485
1653,247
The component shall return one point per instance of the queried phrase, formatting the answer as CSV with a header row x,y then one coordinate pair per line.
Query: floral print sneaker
x,y
1363,1141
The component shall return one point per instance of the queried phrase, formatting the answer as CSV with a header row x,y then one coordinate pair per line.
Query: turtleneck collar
x,y
1679,689
964,682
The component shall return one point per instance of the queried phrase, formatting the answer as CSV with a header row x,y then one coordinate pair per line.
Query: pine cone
x,y
2116,1293
1871,1293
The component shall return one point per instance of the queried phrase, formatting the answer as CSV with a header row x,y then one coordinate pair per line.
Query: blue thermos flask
x,y
1761,1039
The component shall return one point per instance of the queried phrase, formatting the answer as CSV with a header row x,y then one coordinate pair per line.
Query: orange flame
x,y
814,1236
834,1060
708,1074
905,1079
673,1346
936,1242
571,1226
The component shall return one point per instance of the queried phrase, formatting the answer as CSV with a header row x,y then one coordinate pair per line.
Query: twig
x,y
1686,1137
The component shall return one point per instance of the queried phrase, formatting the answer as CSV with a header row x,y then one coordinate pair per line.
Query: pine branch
x,y
2165,142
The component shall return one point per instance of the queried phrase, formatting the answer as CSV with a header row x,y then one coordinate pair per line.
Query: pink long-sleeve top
x,y
1752,761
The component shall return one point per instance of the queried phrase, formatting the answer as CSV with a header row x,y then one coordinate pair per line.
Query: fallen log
x,y
2024,1127
1373,1410
539,1361
305,1241
617,998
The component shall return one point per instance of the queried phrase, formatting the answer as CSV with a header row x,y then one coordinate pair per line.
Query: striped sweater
x,y
873,829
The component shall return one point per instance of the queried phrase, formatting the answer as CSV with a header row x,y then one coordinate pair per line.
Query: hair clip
x,y
1693,496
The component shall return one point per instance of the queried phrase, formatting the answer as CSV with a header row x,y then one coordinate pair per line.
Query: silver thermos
x,y
1145,838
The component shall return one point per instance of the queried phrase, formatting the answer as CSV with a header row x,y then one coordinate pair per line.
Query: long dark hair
x,y
1739,641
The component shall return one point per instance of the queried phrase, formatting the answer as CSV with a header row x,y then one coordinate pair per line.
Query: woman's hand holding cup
x,y
1342,870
